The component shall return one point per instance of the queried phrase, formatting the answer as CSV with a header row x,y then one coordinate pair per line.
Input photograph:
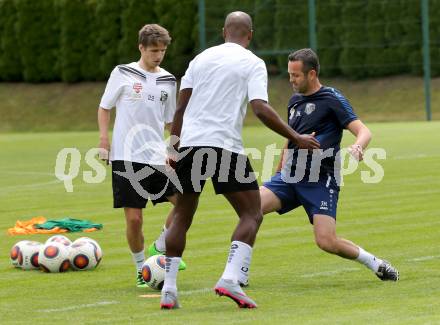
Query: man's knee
x,y
182,219
255,217
269,201
326,242
134,219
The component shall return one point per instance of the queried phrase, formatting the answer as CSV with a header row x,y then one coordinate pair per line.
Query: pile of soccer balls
x,y
57,254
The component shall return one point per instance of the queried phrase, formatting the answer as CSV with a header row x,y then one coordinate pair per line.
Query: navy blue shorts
x,y
316,197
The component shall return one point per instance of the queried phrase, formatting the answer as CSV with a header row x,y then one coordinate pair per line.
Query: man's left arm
x,y
363,137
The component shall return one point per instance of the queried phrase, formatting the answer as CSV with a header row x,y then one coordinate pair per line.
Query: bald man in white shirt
x,y
214,93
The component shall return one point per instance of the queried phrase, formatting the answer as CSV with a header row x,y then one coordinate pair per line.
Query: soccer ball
x,y
93,242
153,271
83,255
54,257
97,251
16,254
59,239
29,255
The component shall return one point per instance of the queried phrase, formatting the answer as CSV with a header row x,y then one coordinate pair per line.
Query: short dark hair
x,y
309,59
154,34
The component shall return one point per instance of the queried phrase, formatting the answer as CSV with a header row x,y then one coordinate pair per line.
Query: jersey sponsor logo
x,y
310,107
137,87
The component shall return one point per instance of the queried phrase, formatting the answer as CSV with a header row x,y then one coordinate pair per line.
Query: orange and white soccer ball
x,y
29,251
97,248
54,257
16,255
153,271
59,239
83,256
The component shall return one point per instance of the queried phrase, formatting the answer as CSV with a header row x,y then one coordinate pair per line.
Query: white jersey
x,y
223,79
144,102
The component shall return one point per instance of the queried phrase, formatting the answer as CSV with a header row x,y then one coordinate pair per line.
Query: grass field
x,y
291,279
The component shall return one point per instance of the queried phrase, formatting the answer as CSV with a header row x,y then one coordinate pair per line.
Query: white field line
x,y
423,258
99,303
190,292
24,173
9,172
330,273
13,187
413,156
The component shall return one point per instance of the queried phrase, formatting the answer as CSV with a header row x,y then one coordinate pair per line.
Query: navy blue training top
x,y
326,112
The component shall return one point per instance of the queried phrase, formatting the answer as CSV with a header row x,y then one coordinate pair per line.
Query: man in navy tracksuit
x,y
311,179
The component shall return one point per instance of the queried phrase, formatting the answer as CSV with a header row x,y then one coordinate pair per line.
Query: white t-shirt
x,y
144,102
223,79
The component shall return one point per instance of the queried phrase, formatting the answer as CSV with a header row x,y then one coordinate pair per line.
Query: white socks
x,y
139,259
171,268
160,242
369,260
243,276
239,259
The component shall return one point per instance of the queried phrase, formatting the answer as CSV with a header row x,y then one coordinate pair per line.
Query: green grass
x,y
291,279
72,107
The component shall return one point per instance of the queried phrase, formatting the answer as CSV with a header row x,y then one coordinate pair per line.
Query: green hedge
x,y
353,39
435,38
328,16
134,15
374,32
182,31
76,45
10,62
291,28
76,40
37,30
108,14
412,40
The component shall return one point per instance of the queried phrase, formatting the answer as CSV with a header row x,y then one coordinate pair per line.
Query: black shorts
x,y
229,171
155,186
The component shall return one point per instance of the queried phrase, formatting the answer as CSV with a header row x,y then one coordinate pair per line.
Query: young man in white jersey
x,y
212,104
145,99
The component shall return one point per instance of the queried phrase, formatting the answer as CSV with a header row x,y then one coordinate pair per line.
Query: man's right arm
x,y
273,121
176,128
182,103
112,91
103,123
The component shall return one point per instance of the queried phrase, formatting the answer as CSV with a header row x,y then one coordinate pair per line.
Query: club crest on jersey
x,y
310,107
163,96
137,87
292,114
